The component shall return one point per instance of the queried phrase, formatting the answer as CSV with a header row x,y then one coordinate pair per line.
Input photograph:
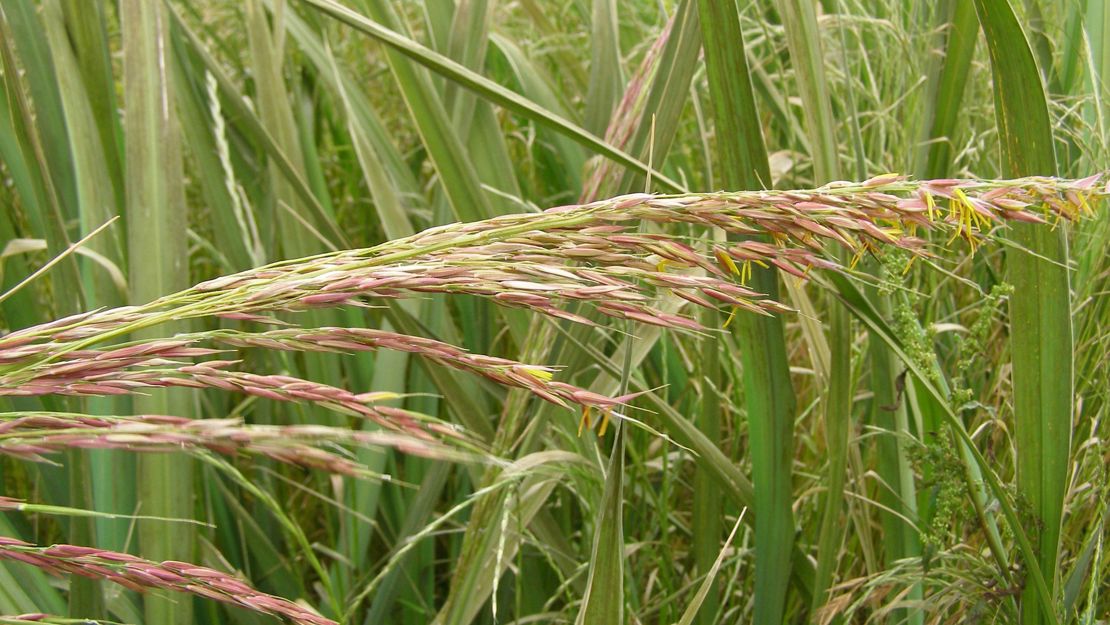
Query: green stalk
x,y
487,88
946,97
804,42
604,599
838,404
156,228
706,524
96,196
606,82
708,509
767,389
45,135
1040,309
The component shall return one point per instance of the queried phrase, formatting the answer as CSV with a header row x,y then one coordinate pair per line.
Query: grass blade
x,y
804,42
604,598
1040,310
156,242
695,606
767,388
947,96
487,88
606,81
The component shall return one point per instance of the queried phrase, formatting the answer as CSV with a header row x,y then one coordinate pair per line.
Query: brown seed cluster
x,y
140,575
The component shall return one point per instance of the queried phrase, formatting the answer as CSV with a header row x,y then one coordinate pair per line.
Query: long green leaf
x,y
865,311
947,94
1040,308
156,228
804,42
606,80
486,88
767,388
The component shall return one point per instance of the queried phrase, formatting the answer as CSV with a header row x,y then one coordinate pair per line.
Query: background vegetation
x,y
923,441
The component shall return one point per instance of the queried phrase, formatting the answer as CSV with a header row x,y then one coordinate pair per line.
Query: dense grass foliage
x,y
473,335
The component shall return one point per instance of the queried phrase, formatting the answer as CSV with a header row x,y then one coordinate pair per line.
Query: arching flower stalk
x,y
583,247
140,575
39,617
138,365
33,436
584,253
214,374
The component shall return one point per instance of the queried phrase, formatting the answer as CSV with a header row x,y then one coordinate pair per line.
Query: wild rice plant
x,y
860,378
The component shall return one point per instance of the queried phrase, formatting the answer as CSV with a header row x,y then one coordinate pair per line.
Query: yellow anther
x,y
538,372
604,423
931,205
968,220
731,316
856,258
909,264
1085,207
726,261
584,422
